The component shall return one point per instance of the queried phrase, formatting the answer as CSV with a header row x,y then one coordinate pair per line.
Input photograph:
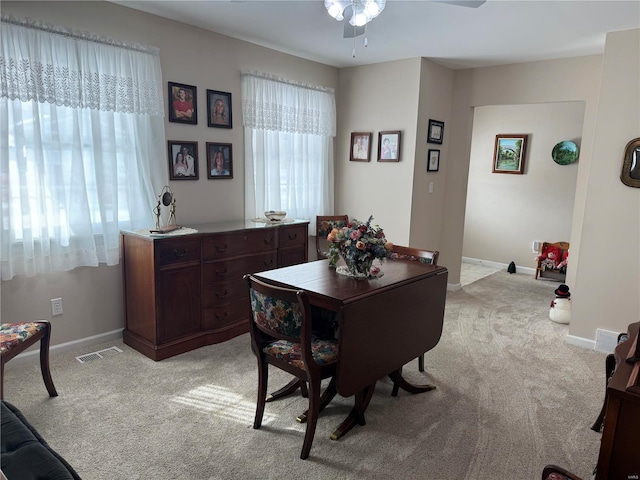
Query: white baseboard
x,y
33,353
580,342
454,287
488,263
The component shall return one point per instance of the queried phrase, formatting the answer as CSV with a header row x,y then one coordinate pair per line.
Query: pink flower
x,y
361,246
374,271
355,235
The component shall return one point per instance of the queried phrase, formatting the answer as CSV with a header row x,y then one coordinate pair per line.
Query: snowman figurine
x,y
560,311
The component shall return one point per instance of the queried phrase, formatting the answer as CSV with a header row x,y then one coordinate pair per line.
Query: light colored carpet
x,y
511,397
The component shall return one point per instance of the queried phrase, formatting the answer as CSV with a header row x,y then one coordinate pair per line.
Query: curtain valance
x,y
269,103
72,69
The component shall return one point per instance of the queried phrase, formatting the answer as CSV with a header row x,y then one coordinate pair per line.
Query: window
x,y
289,130
78,138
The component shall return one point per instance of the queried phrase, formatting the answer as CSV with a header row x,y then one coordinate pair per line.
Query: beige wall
x,y
402,96
537,205
92,297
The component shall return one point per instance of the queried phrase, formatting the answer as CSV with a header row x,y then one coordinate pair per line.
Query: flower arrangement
x,y
358,243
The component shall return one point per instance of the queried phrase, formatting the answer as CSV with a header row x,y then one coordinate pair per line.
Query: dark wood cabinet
x,y
184,291
620,449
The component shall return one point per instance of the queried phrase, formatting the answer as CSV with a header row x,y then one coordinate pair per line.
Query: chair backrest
x,y
414,254
324,225
278,313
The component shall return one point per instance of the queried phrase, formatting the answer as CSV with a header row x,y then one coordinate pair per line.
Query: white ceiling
x,y
498,32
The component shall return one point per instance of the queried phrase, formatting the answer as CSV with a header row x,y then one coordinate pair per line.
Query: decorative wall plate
x,y
565,153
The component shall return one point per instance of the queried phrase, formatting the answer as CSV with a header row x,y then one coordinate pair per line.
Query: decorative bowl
x,y
274,216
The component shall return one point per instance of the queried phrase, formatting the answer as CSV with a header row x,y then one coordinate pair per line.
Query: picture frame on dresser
x,y
183,160
183,103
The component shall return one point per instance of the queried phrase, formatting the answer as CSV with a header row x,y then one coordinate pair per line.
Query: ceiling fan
x,y
357,13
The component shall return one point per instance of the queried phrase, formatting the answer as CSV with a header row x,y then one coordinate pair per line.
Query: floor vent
x,y
100,354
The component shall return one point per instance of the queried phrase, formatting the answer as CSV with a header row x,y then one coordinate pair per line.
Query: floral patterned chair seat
x,y
15,338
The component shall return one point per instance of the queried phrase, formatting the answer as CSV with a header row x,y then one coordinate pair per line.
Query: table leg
x,y
325,398
356,415
400,382
288,389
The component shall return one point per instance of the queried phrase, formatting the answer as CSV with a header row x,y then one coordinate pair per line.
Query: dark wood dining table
x,y
384,322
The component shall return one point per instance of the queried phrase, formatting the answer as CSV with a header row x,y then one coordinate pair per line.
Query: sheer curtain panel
x,y
81,131
288,134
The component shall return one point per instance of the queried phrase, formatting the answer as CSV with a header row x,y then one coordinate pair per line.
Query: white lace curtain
x,y
289,130
81,129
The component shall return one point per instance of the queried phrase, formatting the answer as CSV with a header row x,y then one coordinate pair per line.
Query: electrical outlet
x,y
56,306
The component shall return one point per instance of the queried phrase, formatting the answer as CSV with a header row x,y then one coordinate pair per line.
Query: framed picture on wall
x,y
360,147
509,153
219,161
435,133
433,161
183,160
183,103
219,109
389,146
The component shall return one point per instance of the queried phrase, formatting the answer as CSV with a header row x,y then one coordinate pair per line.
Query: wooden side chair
x,y
15,338
415,255
324,225
281,335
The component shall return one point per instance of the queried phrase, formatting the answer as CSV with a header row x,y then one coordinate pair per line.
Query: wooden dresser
x,y
184,291
620,449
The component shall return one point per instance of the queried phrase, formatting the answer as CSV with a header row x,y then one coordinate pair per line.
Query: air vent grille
x,y
99,355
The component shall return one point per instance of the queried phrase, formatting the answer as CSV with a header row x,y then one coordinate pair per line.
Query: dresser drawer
x,y
225,270
227,292
226,315
179,250
238,243
292,236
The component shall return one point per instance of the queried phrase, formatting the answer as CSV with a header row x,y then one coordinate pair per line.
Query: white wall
x,y
506,212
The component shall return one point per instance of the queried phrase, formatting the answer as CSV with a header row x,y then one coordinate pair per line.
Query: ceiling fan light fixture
x,y
335,8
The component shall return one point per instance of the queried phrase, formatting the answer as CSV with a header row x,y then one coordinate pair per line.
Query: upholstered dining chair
x,y
15,338
415,255
281,335
553,472
324,225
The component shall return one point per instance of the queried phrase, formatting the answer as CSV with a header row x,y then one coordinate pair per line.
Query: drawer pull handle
x,y
293,237
221,316
268,263
222,272
180,252
222,249
268,241
223,294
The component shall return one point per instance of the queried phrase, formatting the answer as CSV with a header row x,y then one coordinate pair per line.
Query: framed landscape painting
x,y
509,153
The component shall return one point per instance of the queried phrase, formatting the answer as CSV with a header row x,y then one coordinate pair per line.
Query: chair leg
x,y
44,362
421,363
325,399
312,419
263,376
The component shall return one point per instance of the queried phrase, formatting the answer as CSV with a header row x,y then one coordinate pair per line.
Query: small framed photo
x,y
183,160
183,103
389,146
219,109
360,147
433,161
509,153
436,132
630,174
219,160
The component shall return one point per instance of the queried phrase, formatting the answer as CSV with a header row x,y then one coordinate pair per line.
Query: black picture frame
x,y
190,169
389,146
178,112
360,146
226,150
433,160
215,99
435,133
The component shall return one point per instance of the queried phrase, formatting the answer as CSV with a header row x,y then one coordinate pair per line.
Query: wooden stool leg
x,y
44,362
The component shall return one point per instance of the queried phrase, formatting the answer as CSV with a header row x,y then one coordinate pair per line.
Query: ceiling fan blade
x,y
464,3
350,31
